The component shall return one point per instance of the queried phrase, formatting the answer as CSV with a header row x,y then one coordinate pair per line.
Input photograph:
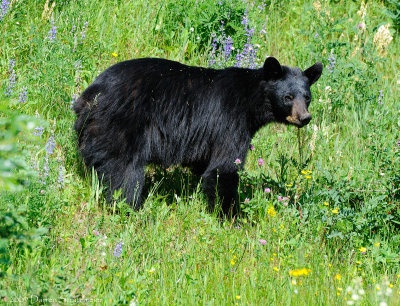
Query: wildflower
x,y
95,232
332,62
361,26
262,241
380,97
53,31
363,10
84,29
73,29
238,161
118,249
232,262
23,95
377,244
5,6
60,176
251,147
303,172
271,212
308,177
246,200
382,39
289,185
338,277
12,77
238,297
260,162
326,204
335,211
276,269
50,146
299,272
267,190
74,98
363,250
152,270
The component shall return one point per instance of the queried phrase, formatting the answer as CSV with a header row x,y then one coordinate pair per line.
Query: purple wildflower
x,y
332,62
74,98
316,35
260,162
53,31
60,177
95,232
238,161
5,6
50,146
251,147
84,29
23,95
38,131
228,47
267,190
247,200
398,143
380,97
73,28
263,241
12,78
118,249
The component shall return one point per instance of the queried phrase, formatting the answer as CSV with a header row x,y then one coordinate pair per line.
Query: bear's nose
x,y
305,119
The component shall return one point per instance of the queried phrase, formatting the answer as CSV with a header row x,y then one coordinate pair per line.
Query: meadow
x,y
320,222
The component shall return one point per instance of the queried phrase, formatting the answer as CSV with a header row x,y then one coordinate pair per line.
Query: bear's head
x,y
287,90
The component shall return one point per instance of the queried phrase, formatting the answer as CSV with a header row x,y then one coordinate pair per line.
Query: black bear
x,y
159,111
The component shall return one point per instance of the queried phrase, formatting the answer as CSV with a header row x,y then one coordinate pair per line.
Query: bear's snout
x,y
300,115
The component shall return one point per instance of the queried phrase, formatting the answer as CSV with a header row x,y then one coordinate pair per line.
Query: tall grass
x,y
320,222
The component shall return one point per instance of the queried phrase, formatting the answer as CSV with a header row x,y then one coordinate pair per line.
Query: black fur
x,y
158,111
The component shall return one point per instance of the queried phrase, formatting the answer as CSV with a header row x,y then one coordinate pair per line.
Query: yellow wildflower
x,y
232,262
362,249
303,172
114,54
335,211
338,277
326,203
152,270
390,285
358,262
276,269
271,212
339,289
238,297
274,229
299,272
308,177
377,244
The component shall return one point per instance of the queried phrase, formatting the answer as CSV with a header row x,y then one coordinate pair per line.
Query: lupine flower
x,y
12,77
38,131
60,177
23,95
74,98
380,97
73,29
332,62
262,241
84,29
118,249
5,6
50,146
53,31
260,162
398,143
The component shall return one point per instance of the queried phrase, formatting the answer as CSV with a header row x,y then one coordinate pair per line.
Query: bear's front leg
x,y
222,183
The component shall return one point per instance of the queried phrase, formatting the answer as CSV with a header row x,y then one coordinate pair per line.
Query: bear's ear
x,y
313,73
272,69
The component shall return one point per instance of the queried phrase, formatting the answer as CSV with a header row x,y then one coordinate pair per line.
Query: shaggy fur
x,y
158,111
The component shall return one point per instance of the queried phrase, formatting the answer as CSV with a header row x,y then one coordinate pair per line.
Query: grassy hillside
x,y
321,214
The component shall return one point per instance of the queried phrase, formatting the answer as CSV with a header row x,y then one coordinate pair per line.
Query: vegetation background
x,y
321,221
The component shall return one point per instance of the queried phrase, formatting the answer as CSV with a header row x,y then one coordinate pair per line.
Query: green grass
x,y
57,240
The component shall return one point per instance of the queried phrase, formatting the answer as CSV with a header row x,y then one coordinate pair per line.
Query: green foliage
x,y
320,214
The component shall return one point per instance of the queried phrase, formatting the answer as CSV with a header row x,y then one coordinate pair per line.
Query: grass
x,y
58,239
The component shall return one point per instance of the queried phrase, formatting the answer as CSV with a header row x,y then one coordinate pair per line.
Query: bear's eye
x,y
307,97
288,98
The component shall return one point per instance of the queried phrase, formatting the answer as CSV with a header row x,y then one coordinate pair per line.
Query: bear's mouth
x,y
295,121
